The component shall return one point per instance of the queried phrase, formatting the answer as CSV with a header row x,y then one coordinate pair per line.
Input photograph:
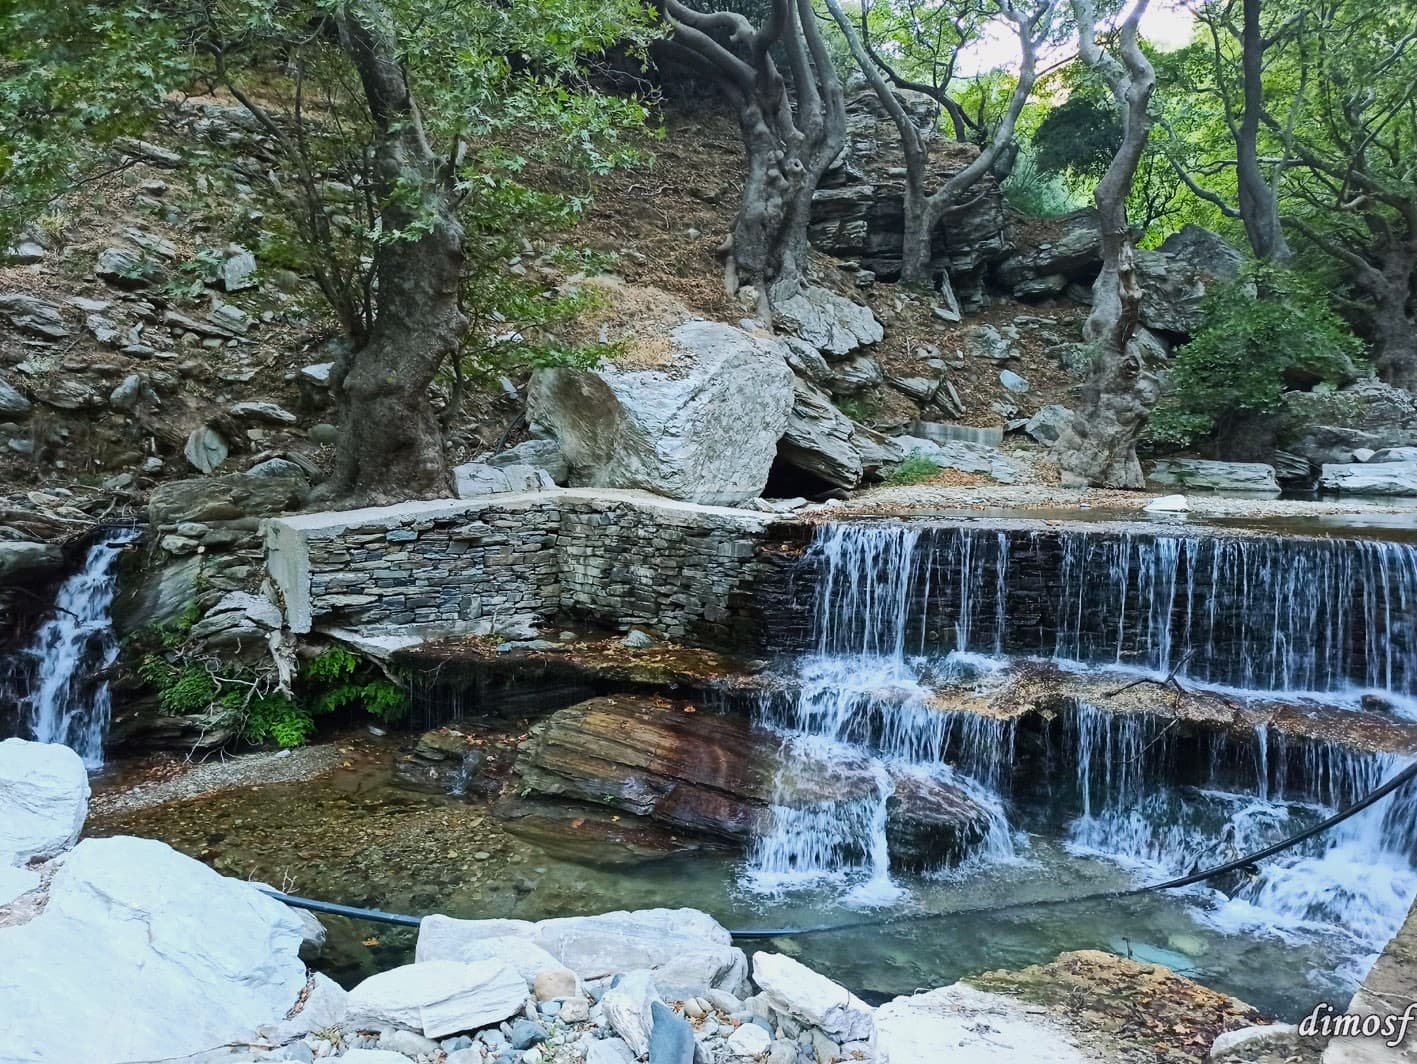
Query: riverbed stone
x,y
1200,474
443,938
749,1040
609,1051
628,1008
1381,478
833,324
439,998
671,1039
44,798
792,989
173,958
224,498
22,562
554,982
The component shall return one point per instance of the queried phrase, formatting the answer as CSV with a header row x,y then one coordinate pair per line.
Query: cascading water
x,y
68,700
857,702
897,607
1270,614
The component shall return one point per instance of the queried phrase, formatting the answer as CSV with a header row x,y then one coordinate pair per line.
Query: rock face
x,y
702,772
1367,414
225,498
858,210
820,439
44,797
480,478
1215,476
702,427
1371,478
32,316
967,1026
792,989
172,959
439,998
961,455
21,562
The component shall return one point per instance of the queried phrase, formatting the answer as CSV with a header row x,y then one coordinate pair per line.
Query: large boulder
x,y
1204,252
23,562
142,953
539,454
1052,253
226,498
438,998
1380,478
793,990
930,824
44,797
482,478
1215,476
702,426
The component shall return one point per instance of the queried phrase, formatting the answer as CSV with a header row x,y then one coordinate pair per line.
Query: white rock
x,y
439,998
442,938
171,959
317,372
966,1026
14,882
44,797
1392,454
1372,478
684,948
263,411
609,1051
627,1008
831,323
793,989
1255,1039
1168,504
1365,454
702,427
205,449
749,1040
324,1007
374,1056
478,478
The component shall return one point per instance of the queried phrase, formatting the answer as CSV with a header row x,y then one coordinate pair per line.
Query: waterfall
x,y
66,665
896,607
1272,614
857,701
1357,879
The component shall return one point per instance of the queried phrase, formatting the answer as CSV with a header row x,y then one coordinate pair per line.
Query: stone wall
x,y
503,563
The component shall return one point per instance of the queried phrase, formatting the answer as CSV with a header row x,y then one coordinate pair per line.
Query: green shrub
x,y
337,678
1261,333
915,469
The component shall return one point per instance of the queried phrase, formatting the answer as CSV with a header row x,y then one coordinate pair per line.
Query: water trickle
x,y
68,700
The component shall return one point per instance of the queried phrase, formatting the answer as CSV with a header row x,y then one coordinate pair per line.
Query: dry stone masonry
x,y
504,563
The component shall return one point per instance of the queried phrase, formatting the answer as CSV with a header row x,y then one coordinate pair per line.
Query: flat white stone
x,y
438,998
749,1041
1168,504
793,989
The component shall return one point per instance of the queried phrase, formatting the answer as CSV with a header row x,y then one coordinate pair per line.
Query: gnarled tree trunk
x,y
390,446
1099,447
1391,288
924,209
789,140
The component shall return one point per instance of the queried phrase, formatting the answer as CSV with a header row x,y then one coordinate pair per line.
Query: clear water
x,y
68,700
352,837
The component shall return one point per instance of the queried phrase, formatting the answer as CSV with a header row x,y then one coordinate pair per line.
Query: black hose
x,y
1378,794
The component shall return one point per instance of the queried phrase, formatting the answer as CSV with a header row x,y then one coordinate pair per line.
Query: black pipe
x,y
1403,777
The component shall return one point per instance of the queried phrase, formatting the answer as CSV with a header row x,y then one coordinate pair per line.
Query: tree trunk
x,y
789,142
1259,201
1100,446
390,446
1394,330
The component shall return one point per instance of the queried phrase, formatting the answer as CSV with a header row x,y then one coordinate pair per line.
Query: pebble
x,y
750,1040
554,983
526,1034
575,1010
